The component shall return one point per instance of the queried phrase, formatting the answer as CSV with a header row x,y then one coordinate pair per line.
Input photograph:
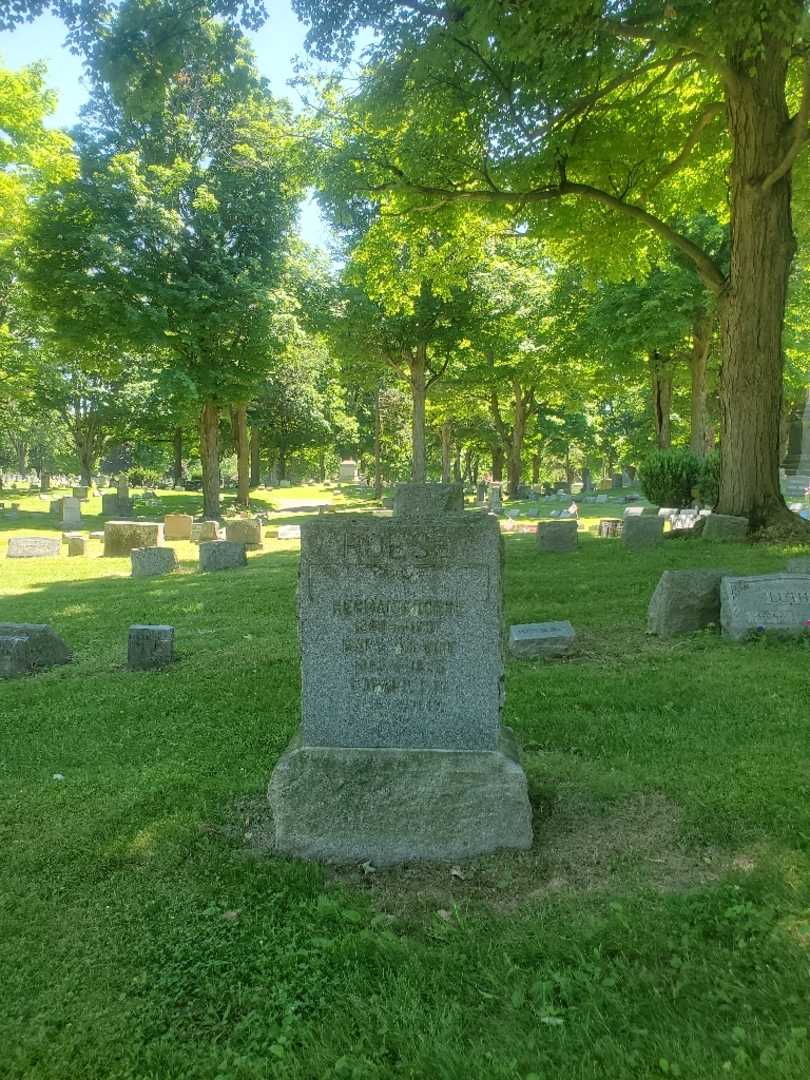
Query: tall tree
x,y
636,108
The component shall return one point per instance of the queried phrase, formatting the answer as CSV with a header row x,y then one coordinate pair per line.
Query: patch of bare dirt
x,y
581,845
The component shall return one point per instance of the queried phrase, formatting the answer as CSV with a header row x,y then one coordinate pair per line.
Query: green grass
x,y
661,926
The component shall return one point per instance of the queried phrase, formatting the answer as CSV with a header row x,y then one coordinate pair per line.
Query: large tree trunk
x,y
523,403
240,432
497,463
418,366
698,365
378,480
753,307
177,449
255,457
447,452
209,459
661,382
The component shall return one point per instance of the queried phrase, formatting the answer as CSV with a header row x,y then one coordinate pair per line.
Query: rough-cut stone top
x,y
763,603
425,500
400,627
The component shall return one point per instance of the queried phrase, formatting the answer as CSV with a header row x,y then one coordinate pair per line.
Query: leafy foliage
x,y
668,476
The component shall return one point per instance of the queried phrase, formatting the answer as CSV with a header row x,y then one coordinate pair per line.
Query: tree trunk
x,y
255,457
587,482
753,306
418,365
458,475
239,420
282,463
661,380
378,480
698,364
322,466
209,459
497,463
177,468
447,452
535,469
523,404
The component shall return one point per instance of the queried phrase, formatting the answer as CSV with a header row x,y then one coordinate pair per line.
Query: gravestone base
x,y
386,806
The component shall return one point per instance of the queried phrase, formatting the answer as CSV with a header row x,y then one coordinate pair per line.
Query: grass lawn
x,y
659,927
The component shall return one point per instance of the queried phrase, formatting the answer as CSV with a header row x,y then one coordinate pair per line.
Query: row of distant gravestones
x,y
27,648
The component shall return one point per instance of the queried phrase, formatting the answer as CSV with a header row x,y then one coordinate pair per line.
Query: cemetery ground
x,y
659,926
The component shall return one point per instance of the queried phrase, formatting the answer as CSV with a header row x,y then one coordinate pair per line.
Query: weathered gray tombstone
x,y
109,504
481,494
557,536
245,531
685,601
642,532
766,603
45,481
71,513
80,493
221,555
633,511
26,648
401,754
495,497
528,640
56,507
347,472
33,547
204,530
152,561
725,527
426,500
799,565
149,647
120,537
610,527
177,526
76,545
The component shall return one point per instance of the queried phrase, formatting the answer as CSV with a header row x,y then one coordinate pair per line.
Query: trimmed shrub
x,y
668,476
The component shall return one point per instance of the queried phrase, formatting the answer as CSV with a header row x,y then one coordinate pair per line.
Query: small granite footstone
x,y
725,527
541,639
766,603
557,536
341,804
221,555
685,601
152,561
177,526
120,537
76,545
245,531
799,565
150,647
26,648
427,500
33,547
642,532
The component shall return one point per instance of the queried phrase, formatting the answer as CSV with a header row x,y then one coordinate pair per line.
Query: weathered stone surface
x,y
150,647
495,497
557,536
633,511
177,526
80,493
427,500
667,512
400,626
221,555
799,565
245,531
392,805
33,547
120,537
204,530
541,639
26,648
685,601
97,535
611,527
152,561
725,527
642,532
71,513
76,545
119,506
765,603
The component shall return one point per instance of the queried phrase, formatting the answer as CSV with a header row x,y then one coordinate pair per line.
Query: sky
x,y
277,45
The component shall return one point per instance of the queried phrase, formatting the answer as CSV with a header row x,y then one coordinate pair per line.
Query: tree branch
x,y
645,32
798,128
713,109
